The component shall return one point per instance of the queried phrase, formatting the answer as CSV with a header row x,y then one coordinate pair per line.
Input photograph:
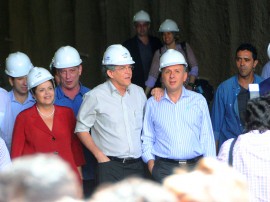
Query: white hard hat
x,y
141,16
38,75
168,26
268,51
66,56
117,55
172,57
18,64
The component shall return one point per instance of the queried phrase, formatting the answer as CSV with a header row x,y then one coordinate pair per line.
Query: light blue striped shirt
x,y
179,130
16,108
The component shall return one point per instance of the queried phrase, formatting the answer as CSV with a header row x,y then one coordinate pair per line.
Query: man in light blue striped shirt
x,y
18,65
177,130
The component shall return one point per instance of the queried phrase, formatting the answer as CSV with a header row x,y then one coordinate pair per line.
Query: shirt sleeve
x,y
266,71
192,61
4,155
87,113
154,70
207,137
148,138
218,112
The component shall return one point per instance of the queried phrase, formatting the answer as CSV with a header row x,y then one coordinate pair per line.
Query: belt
x,y
124,160
188,161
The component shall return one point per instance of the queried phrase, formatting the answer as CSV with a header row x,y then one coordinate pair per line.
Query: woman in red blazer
x,y
45,127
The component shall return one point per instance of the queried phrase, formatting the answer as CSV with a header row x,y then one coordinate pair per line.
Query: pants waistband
x,y
188,161
124,160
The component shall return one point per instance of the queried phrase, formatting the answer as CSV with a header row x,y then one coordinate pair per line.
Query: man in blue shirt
x,y
18,66
229,106
177,130
70,93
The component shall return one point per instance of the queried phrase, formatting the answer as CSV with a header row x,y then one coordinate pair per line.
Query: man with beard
x,y
229,107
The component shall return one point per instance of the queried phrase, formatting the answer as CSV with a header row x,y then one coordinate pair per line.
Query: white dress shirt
x,y
115,121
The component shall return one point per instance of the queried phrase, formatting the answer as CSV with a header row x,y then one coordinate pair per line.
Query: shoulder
x,y
195,95
27,112
63,108
84,89
137,90
101,88
223,154
257,79
230,82
129,41
154,39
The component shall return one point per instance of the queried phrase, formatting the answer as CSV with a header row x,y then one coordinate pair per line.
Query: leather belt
x,y
124,160
188,161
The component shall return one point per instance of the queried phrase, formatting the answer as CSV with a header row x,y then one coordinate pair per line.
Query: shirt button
x,y
56,153
53,138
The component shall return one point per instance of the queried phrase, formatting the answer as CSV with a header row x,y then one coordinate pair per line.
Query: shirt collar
x,y
185,93
28,99
113,88
60,94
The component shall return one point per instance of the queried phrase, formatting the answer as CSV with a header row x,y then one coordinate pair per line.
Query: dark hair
x,y
176,36
33,90
249,47
258,114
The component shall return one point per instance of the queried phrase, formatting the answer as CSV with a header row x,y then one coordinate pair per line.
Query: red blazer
x,y
31,135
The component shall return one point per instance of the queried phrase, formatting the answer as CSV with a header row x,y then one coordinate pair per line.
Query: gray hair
x,y
41,177
105,68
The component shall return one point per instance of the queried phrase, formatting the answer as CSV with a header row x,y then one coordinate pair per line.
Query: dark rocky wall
x,y
214,28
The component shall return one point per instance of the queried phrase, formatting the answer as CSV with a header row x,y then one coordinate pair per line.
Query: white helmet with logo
x,y
268,51
172,57
141,16
168,26
38,75
66,56
117,55
18,64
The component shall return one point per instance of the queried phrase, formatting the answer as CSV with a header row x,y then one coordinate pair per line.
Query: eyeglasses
x,y
123,68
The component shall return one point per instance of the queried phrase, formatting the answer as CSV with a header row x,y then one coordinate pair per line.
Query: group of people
x,y
112,131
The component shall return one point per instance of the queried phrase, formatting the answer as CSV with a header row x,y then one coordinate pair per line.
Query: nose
x,y
172,75
68,74
25,81
242,62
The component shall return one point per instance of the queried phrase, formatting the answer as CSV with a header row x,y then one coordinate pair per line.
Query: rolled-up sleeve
x,y
87,114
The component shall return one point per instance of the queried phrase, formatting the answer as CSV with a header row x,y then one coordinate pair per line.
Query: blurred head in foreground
x,y
133,190
41,177
211,181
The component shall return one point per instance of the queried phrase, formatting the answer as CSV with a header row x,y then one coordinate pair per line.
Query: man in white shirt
x,y
114,113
